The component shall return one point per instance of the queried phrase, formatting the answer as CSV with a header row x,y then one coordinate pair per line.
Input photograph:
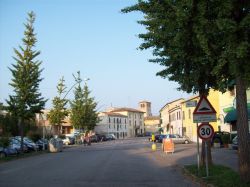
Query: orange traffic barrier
x,y
168,145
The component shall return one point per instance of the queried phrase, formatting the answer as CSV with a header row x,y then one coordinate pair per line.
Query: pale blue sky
x,y
92,36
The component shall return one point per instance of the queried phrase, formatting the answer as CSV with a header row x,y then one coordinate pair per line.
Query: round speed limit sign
x,y
205,131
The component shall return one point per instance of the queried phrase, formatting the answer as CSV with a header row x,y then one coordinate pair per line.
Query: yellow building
x,y
189,127
188,107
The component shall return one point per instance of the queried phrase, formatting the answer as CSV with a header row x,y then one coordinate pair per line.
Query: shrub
x,y
4,141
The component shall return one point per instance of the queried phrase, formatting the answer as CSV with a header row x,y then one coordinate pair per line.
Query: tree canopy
x,y
202,45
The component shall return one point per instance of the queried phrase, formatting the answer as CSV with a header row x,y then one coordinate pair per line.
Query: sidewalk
x,y
187,155
226,157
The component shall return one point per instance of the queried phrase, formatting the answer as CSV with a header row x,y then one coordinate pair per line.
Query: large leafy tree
x,y
27,99
88,116
59,111
202,45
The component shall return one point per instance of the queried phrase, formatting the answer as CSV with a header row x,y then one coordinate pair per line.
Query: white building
x,y
112,123
135,120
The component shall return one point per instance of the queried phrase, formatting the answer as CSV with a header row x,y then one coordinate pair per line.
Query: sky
x,y
90,36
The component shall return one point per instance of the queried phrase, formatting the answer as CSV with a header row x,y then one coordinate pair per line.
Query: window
x,y
183,115
125,121
109,119
114,120
125,126
189,114
109,126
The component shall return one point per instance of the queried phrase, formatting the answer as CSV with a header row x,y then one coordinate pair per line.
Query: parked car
x,y
218,135
235,142
161,137
16,144
4,152
178,139
42,142
29,143
68,140
101,137
94,138
110,137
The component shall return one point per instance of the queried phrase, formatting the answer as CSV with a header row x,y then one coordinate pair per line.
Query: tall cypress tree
x,y
59,112
83,108
27,99
77,109
90,116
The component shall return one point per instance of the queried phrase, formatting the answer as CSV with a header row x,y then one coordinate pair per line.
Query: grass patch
x,y
219,176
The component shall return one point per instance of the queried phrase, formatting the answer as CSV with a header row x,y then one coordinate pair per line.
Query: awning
x,y
232,116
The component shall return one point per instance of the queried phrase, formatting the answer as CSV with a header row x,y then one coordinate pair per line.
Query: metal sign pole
x,y
198,151
206,158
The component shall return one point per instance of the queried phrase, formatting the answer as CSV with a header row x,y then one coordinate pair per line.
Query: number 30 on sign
x,y
205,131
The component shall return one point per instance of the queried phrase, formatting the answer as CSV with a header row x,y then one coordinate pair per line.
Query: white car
x,y
178,139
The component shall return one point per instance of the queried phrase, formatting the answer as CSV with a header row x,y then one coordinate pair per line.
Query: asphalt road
x,y
115,163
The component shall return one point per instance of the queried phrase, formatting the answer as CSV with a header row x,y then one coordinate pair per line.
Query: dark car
x,y
218,136
161,137
93,138
101,137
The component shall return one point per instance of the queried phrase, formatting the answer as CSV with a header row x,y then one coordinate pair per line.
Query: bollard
x,y
154,147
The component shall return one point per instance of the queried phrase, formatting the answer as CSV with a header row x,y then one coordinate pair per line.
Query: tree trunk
x,y
20,125
242,130
203,153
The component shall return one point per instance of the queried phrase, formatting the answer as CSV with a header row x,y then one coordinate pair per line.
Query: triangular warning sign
x,y
204,107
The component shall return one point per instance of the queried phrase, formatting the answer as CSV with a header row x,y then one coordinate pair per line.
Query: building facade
x,y
168,116
135,120
152,124
112,123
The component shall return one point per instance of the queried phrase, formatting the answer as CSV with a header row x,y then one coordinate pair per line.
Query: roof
x,y
170,103
152,118
114,114
191,98
127,110
144,101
